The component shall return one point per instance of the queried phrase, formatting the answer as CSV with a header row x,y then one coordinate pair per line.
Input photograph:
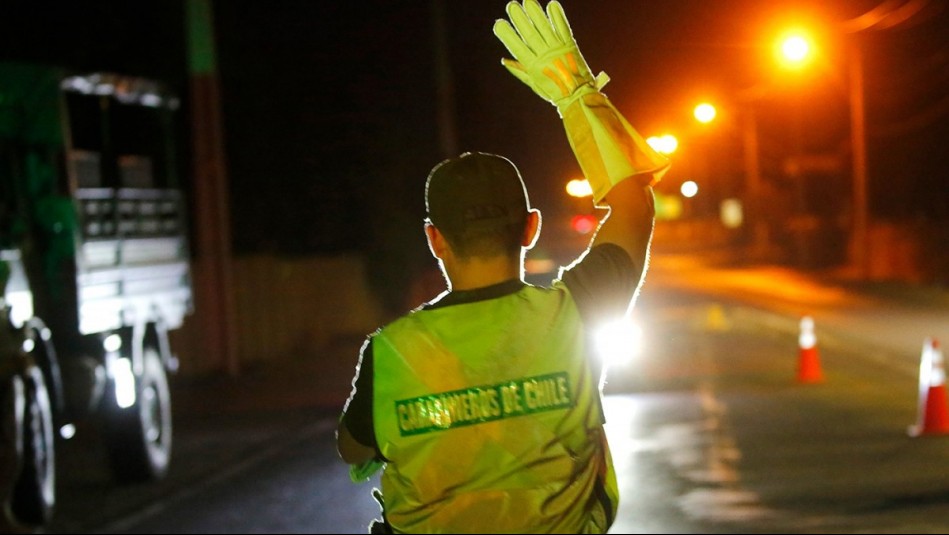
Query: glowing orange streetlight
x,y
581,223
795,49
704,113
579,187
665,144
689,189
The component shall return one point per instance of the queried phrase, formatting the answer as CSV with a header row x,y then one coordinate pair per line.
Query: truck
x,y
94,275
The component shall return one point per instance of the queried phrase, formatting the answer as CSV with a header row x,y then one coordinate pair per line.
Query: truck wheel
x,y
34,494
138,438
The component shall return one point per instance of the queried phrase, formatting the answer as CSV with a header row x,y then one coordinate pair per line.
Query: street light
x,y
579,187
665,144
689,189
583,223
795,49
704,113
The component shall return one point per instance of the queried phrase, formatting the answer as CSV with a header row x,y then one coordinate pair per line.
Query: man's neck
x,y
480,272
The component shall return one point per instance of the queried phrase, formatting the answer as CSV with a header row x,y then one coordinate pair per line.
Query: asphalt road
x,y
716,426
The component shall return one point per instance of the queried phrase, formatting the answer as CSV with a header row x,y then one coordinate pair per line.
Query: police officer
x,y
482,407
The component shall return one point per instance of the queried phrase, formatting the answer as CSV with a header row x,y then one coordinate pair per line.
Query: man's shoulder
x,y
602,283
398,324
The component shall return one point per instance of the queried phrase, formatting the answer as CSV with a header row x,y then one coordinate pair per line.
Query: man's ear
x,y
532,228
436,240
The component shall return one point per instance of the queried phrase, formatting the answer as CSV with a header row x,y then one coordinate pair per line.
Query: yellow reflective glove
x,y
546,59
545,53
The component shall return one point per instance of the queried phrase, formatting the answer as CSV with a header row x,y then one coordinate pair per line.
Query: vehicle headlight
x,y
619,342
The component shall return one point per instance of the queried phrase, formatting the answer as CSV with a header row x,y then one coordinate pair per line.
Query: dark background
x,y
330,108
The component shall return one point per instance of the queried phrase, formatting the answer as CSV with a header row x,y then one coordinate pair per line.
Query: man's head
x,y
479,203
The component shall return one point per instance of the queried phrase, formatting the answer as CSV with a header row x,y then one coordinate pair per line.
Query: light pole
x,y
795,51
885,16
749,135
747,127
859,242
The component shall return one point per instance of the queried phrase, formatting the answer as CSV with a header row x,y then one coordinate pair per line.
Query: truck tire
x,y
138,438
34,494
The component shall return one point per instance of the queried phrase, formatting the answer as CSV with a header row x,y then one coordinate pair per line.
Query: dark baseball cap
x,y
476,190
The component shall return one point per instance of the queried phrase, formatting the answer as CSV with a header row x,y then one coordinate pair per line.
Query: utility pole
x,y
760,232
859,242
444,88
885,16
214,287
754,190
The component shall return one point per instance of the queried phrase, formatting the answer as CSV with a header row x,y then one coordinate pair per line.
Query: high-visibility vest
x,y
490,419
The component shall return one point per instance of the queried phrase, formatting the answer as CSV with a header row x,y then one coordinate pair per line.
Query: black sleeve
x,y
357,414
602,283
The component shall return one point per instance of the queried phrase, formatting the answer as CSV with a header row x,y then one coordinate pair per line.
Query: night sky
x,y
330,108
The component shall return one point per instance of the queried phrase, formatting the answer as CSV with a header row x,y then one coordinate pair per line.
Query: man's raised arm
x,y
617,162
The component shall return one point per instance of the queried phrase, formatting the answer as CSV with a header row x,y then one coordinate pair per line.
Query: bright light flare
x,y
112,343
731,213
795,49
665,144
67,431
704,113
124,382
619,342
689,189
807,339
584,224
579,187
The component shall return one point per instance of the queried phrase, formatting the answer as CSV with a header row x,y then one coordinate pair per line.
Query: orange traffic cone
x,y
808,368
933,414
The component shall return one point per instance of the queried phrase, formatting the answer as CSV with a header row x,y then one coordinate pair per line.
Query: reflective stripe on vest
x,y
500,394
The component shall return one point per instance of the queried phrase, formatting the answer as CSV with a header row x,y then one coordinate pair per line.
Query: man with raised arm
x,y
482,407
